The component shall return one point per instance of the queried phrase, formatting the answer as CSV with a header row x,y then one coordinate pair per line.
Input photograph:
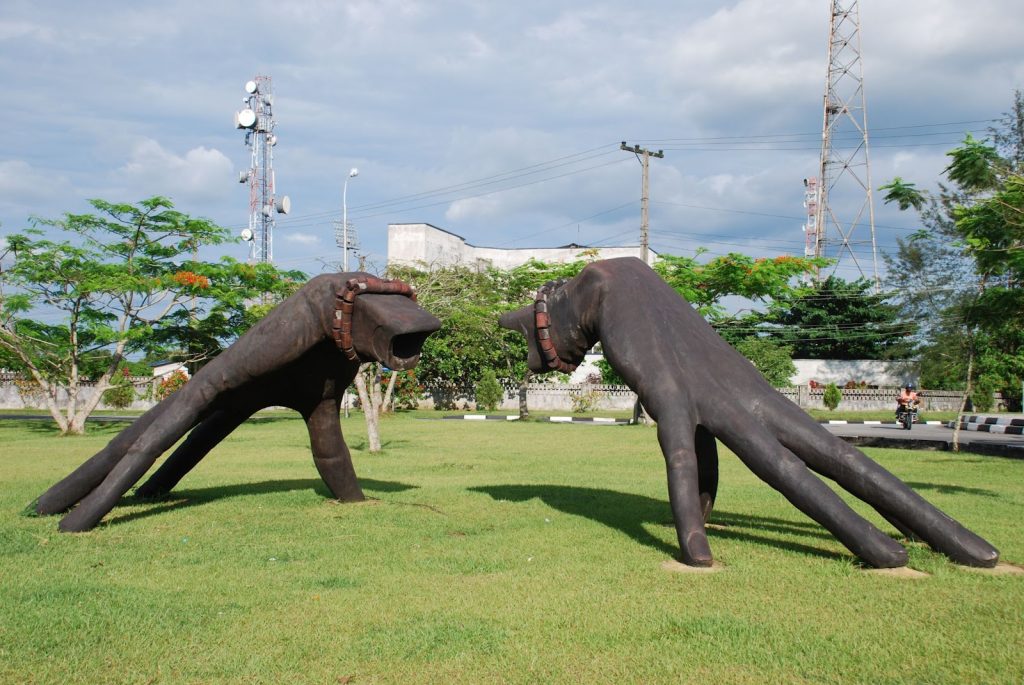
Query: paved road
x,y
928,437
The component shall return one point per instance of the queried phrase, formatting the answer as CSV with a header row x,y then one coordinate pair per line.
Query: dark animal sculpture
x,y
303,355
697,387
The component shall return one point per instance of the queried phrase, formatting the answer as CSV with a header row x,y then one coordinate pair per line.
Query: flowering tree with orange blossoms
x,y
122,280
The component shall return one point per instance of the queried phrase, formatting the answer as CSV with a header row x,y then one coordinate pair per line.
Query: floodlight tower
x,y
845,208
257,120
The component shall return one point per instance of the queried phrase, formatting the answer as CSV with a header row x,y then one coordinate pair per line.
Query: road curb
x,y
481,417
841,422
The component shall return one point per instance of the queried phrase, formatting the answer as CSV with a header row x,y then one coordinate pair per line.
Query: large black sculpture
x,y
697,387
303,355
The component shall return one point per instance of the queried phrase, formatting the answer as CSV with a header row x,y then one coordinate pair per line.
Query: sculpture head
x,y
553,339
383,323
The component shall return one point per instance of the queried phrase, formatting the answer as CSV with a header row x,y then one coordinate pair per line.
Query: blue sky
x,y
516,108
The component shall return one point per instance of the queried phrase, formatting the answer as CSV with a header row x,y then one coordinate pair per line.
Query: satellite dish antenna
x,y
250,86
267,210
246,235
243,176
272,139
245,119
285,205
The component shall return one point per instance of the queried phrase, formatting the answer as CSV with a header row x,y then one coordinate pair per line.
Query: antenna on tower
x,y
845,210
257,120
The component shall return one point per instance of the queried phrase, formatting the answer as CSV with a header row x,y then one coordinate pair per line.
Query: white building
x,y
423,245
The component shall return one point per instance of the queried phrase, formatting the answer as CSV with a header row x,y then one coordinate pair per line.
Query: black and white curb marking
x,y
991,424
551,419
482,417
840,422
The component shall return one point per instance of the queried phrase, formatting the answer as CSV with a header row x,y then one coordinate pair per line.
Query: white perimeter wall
x,y
423,244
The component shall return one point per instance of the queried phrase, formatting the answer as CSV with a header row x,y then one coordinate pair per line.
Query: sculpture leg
x,y
707,470
891,497
684,492
197,445
162,433
780,468
330,453
80,482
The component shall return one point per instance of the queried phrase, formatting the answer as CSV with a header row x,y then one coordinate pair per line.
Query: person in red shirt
x,y
907,398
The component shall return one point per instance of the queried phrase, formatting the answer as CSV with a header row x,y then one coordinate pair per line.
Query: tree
x,y
836,319
774,361
468,300
116,277
983,324
706,285
488,391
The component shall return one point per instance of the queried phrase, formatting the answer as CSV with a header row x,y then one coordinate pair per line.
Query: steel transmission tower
x,y
257,120
845,220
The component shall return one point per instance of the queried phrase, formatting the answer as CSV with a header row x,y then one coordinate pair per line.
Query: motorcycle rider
x,y
907,399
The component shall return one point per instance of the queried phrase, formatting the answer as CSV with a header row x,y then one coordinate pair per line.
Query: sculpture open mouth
x,y
391,329
406,348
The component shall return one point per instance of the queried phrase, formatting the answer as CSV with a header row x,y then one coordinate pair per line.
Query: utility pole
x,y
644,155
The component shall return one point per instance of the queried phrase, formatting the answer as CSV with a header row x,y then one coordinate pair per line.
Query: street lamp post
x,y
352,173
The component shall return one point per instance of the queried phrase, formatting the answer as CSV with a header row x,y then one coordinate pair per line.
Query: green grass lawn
x,y
488,552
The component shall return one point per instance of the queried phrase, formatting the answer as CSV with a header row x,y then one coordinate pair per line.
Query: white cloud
x,y
298,237
21,183
201,174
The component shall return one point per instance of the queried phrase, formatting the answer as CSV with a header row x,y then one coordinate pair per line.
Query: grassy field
x,y
488,552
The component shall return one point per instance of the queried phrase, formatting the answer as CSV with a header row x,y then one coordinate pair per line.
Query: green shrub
x,y
608,375
832,397
488,391
982,393
774,361
122,393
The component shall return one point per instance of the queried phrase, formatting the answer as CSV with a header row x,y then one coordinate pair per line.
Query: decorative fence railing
x,y
16,394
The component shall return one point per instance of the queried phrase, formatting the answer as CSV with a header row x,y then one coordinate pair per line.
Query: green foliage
x,y
982,392
977,229
170,383
832,396
585,400
122,393
974,165
488,391
125,280
407,392
905,195
705,285
469,301
774,361
608,375
836,319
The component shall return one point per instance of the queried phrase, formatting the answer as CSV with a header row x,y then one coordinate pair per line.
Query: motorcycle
x,y
906,415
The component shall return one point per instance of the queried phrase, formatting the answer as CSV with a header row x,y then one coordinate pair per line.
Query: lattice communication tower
x,y
257,120
844,225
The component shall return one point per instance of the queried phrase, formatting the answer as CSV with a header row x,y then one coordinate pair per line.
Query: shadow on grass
x,y
282,417
364,446
947,489
183,499
628,513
